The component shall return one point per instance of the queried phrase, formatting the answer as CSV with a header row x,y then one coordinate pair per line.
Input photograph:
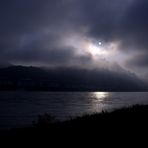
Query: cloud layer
x,y
37,32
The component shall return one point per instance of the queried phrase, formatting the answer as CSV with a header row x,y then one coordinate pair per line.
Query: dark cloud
x,y
43,56
31,31
123,21
134,26
140,60
103,17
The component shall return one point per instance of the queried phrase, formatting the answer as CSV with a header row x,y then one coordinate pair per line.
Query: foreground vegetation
x,y
122,121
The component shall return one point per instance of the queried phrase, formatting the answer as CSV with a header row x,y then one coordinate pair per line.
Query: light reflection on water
x,y
100,96
98,101
19,108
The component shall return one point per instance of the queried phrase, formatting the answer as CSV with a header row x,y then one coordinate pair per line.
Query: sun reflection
x,y
100,96
99,100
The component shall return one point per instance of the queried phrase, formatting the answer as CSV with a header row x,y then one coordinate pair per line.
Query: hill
x,y
68,79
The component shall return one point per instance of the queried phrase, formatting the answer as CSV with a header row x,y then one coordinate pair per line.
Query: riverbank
x,y
121,121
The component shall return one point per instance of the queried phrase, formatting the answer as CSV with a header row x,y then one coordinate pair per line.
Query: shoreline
x,y
130,113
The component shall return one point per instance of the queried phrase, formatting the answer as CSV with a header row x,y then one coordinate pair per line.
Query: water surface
x,y
21,108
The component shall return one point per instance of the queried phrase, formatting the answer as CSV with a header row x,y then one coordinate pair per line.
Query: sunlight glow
x,y
101,49
100,43
97,49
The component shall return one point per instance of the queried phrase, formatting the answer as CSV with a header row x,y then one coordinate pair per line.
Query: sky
x,y
88,34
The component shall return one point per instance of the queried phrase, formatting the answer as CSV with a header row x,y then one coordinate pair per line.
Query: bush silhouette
x,y
44,120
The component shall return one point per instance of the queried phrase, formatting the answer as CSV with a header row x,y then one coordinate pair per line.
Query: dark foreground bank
x,y
128,121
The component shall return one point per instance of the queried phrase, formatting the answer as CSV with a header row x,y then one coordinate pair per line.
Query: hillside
x,y
68,79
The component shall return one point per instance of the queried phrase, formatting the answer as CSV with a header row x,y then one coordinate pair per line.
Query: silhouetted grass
x,y
121,121
44,120
135,112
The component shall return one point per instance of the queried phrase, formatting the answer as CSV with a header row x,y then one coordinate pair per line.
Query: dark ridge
x,y
68,79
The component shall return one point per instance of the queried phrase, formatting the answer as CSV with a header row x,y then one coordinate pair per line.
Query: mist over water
x,y
18,109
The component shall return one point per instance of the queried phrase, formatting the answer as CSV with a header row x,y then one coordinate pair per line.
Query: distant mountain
x,y
68,79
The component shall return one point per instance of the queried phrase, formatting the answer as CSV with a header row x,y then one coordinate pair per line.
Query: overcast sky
x,y
75,33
